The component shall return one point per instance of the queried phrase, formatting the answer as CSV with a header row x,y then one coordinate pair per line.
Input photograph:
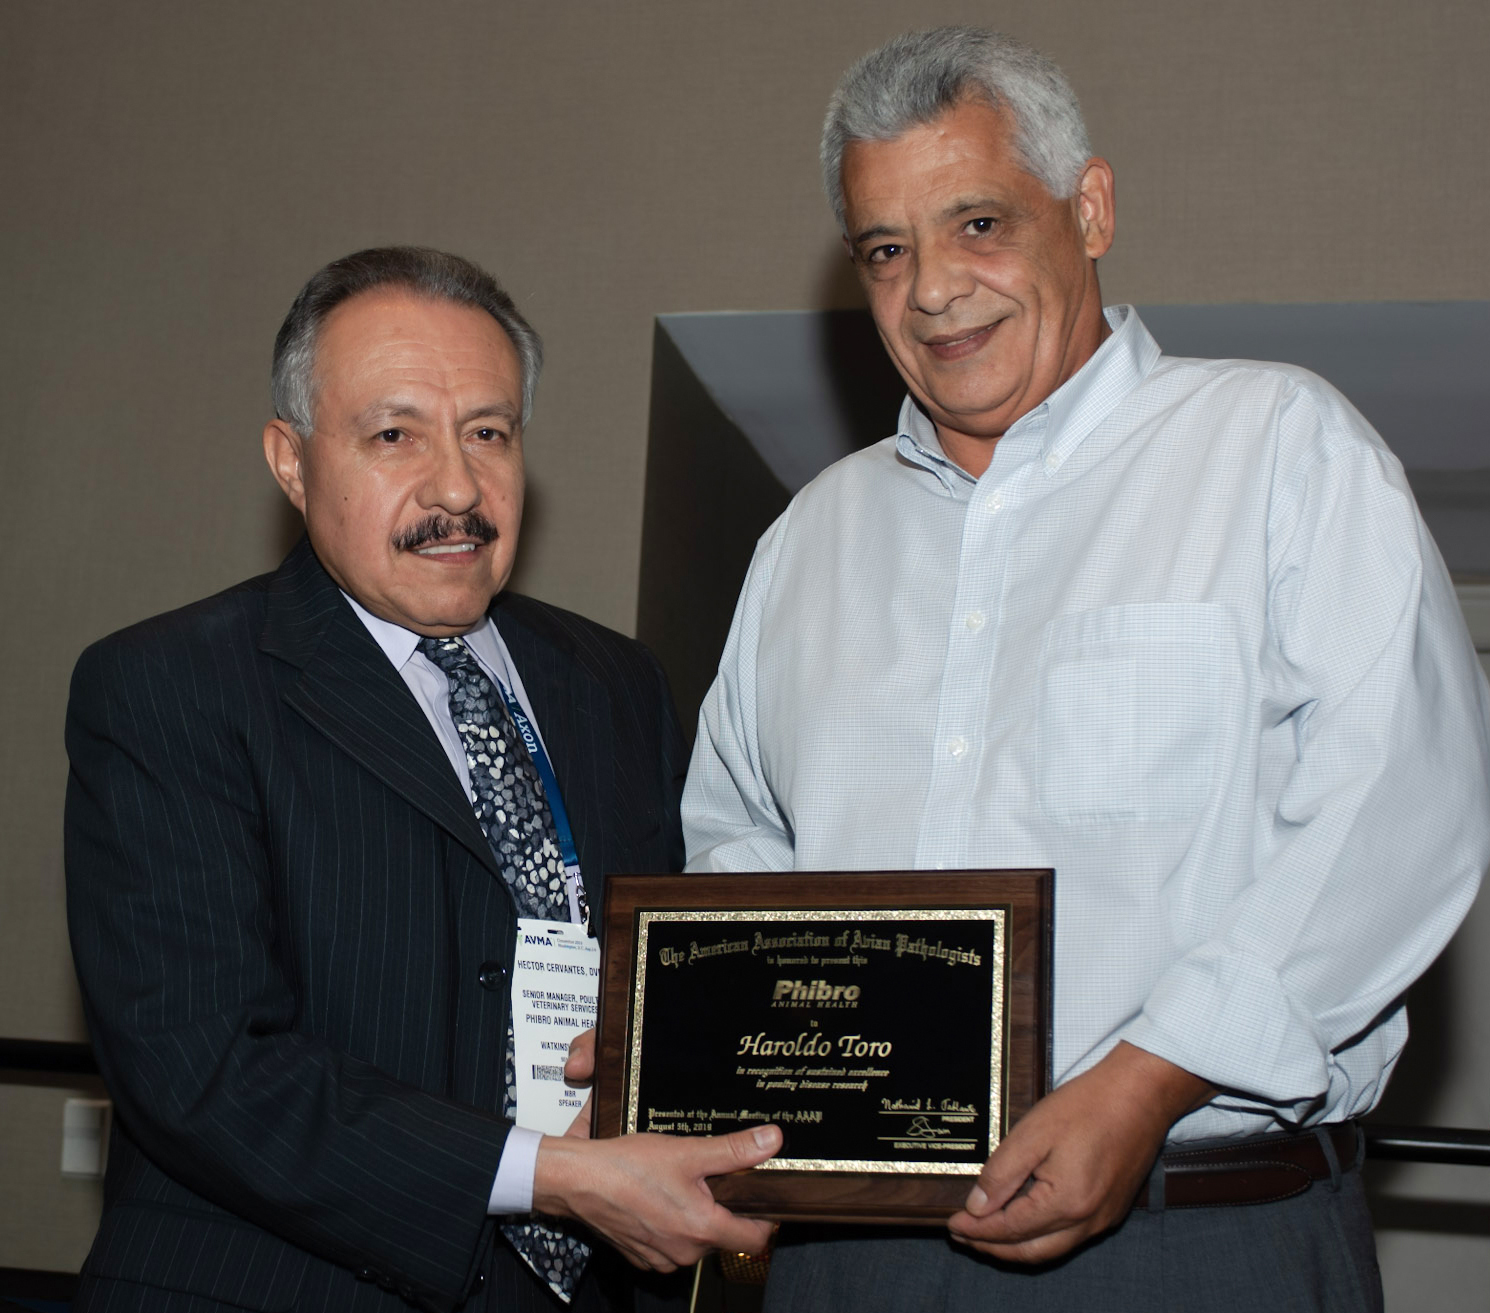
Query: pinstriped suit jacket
x,y
282,911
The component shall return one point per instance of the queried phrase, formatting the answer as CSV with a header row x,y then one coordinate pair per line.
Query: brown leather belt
x,y
1259,1170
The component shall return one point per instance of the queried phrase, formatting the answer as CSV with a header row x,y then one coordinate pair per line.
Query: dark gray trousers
x,y
1314,1253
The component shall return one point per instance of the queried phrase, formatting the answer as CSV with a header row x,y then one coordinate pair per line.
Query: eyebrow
x,y
980,204
397,409
495,410
872,234
968,205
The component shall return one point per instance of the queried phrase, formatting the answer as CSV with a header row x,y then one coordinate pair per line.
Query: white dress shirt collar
x,y
1063,420
399,644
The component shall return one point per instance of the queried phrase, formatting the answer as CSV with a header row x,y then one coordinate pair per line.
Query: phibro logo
x,y
815,991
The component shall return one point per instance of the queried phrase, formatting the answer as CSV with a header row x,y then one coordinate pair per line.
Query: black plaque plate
x,y
891,1024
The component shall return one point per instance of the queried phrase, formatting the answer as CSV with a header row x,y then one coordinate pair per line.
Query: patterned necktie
x,y
508,799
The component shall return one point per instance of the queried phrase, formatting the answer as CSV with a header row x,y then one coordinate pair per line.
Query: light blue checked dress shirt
x,y
1188,642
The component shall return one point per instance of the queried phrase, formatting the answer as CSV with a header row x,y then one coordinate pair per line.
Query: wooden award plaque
x,y
894,1025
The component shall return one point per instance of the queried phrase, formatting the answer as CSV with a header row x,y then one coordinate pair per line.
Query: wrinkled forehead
x,y
376,338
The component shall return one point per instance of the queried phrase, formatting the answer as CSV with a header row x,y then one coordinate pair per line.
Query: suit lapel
x,y
350,693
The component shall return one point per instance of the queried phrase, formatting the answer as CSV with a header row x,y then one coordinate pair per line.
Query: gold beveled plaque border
x,y
915,1197
998,1020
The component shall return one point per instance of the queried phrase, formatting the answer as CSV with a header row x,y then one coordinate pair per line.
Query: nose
x,y
449,483
941,277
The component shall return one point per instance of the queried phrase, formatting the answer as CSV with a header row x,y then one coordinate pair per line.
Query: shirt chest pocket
x,y
1130,712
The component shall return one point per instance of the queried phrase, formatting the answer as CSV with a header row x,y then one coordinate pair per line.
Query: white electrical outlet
x,y
85,1137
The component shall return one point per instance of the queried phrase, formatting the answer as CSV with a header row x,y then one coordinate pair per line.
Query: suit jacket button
x,y
479,1282
491,975
366,1274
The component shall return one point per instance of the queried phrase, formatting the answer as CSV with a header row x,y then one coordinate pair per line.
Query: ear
x,y
1096,207
284,449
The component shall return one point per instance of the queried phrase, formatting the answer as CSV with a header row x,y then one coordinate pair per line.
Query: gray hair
x,y
918,77
418,269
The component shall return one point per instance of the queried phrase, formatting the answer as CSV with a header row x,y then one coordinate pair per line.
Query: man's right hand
x,y
648,1195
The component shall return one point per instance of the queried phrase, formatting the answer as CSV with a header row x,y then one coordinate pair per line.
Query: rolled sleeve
x,y
1370,853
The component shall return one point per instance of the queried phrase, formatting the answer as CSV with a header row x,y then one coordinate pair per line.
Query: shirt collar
x,y
399,644
918,444
1066,417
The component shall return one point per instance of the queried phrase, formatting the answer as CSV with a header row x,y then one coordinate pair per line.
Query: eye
x,y
488,435
884,254
980,227
390,436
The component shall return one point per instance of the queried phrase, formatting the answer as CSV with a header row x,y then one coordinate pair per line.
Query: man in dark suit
x,y
293,891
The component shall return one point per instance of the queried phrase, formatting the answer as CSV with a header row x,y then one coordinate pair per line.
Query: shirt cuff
x,y
1228,1019
512,1191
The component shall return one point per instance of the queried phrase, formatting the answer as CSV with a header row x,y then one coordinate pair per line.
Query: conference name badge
x,y
555,984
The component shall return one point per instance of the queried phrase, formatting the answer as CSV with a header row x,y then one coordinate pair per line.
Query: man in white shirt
x,y
303,821
1173,628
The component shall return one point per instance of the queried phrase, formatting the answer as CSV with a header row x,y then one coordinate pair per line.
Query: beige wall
x,y
173,171
47,1220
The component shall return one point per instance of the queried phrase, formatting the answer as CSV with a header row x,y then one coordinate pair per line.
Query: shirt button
x,y
993,503
1051,462
974,620
957,746
491,975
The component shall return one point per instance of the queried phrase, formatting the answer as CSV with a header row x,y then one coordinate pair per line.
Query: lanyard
x,y
573,882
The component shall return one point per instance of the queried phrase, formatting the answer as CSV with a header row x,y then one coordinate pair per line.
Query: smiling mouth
x,y
954,346
443,536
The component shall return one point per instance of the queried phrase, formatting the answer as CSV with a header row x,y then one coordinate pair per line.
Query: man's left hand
x,y
1073,1164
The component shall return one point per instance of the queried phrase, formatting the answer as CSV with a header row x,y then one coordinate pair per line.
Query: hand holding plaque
x,y
891,1024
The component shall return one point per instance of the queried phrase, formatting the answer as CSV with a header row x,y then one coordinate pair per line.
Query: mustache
x,y
436,528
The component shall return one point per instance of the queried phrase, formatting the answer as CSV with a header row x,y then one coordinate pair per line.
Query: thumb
x,y
580,1064
1004,1175
738,1150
